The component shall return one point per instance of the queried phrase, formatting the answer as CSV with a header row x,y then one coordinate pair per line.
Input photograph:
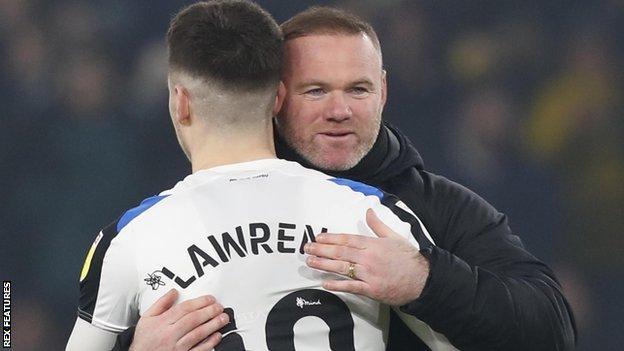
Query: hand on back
x,y
189,325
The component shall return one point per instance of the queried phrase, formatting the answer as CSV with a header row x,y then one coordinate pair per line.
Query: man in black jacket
x,y
481,289
484,290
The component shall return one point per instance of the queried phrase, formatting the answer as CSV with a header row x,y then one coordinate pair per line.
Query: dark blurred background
x,y
521,101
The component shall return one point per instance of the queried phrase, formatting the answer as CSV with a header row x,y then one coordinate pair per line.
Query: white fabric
x,y
218,200
85,336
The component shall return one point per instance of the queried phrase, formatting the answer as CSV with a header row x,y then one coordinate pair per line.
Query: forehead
x,y
311,57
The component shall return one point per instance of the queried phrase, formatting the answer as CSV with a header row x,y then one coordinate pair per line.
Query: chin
x,y
327,158
335,163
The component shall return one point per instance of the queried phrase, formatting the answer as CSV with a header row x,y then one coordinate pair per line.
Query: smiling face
x,y
335,93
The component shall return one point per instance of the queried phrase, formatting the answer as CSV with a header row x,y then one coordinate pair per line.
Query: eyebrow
x,y
309,83
364,81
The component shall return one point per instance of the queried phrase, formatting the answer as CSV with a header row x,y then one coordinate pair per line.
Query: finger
x,y
333,266
378,227
162,304
209,343
351,240
196,318
334,252
180,310
350,286
196,336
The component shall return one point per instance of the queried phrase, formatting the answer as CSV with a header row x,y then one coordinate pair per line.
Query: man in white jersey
x,y
237,228
484,291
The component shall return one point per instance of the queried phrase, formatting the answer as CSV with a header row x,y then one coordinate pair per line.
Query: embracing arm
x,y
485,291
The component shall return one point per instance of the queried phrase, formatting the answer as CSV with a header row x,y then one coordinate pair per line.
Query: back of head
x,y
232,43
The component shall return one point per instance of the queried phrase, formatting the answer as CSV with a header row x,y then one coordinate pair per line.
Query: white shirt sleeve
x,y
109,288
85,336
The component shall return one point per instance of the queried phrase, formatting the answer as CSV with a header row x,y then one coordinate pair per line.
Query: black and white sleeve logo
x,y
154,280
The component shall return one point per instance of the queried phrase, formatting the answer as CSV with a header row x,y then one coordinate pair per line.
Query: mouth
x,y
337,135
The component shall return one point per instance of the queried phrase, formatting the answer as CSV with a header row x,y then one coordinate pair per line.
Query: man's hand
x,y
190,325
387,269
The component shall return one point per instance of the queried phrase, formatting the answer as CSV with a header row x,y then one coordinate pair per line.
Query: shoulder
x,y
456,202
164,200
357,187
428,186
133,213
329,183
446,207
115,232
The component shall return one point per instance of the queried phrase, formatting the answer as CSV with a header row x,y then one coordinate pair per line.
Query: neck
x,y
219,151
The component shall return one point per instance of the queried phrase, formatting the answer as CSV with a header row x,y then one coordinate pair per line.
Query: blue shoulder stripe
x,y
134,212
359,187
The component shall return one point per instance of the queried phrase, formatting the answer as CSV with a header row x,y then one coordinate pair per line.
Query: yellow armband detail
x,y
87,263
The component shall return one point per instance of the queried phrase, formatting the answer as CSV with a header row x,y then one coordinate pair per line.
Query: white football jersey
x,y
237,232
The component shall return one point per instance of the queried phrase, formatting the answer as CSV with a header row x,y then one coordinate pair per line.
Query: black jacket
x,y
484,291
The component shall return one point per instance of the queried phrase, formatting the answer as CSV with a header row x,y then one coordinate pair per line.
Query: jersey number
x,y
281,320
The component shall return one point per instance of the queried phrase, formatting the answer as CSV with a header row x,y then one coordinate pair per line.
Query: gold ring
x,y
351,271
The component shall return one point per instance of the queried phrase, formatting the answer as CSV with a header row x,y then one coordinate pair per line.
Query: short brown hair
x,y
235,42
327,20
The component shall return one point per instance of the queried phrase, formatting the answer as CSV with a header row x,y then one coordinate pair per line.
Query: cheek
x,y
299,116
367,115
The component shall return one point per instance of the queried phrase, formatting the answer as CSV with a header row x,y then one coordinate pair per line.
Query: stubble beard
x,y
315,156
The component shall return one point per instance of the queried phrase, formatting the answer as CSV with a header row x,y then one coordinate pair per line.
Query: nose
x,y
338,108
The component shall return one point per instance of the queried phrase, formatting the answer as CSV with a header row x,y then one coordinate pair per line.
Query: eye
x,y
359,90
315,92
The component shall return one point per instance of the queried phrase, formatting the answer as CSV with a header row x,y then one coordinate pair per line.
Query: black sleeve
x,y
124,340
485,291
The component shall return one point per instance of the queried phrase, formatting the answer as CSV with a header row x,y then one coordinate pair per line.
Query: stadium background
x,y
519,100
